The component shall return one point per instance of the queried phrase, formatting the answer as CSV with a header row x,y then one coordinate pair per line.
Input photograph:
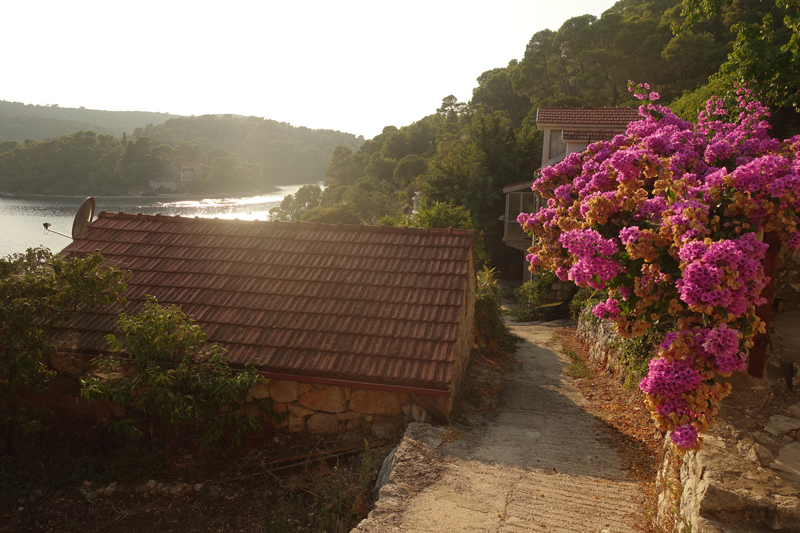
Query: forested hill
x,y
461,158
20,121
238,155
286,153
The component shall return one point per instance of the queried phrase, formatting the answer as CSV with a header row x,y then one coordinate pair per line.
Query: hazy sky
x,y
349,65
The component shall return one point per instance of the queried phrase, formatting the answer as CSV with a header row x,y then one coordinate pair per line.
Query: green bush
x,y
489,331
639,350
532,294
179,381
584,298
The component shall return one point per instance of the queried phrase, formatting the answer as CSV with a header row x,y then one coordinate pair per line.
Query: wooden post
x,y
758,353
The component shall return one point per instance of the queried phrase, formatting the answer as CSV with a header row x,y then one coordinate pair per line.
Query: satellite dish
x,y
83,218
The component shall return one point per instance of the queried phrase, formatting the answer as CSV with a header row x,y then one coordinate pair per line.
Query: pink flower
x,y
684,436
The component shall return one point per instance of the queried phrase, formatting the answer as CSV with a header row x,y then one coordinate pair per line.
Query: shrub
x,y
532,294
489,331
178,379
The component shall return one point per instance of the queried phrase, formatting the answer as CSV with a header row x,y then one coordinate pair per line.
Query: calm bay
x,y
22,218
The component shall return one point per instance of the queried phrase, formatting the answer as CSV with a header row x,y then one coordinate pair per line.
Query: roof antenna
x,y
82,219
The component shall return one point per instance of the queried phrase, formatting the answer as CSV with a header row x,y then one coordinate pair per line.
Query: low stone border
x,y
741,481
731,485
405,472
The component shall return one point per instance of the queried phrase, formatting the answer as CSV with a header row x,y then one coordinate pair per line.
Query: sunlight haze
x,y
353,66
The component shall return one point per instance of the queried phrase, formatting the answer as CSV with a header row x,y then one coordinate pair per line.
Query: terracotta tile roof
x,y
370,304
587,115
590,136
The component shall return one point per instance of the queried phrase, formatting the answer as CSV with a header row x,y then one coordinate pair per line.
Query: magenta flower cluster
x,y
670,378
684,436
668,218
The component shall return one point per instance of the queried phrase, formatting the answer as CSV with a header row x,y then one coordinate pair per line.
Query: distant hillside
x,y
286,153
20,121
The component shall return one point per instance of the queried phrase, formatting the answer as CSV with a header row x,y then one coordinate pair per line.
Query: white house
x,y
178,177
566,130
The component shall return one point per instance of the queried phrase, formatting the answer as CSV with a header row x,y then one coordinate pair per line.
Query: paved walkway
x,y
541,464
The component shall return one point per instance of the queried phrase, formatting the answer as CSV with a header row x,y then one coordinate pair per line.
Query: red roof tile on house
x,y
590,136
362,303
587,115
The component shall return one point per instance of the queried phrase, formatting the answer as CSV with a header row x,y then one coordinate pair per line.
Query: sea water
x,y
22,218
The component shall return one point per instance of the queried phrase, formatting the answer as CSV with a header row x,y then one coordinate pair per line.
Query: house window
x,y
516,203
557,145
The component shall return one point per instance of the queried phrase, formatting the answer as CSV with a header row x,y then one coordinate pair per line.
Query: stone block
x,y
303,388
329,400
283,391
71,364
323,424
779,425
298,410
419,414
765,457
349,415
375,402
259,392
296,424
384,428
116,410
788,462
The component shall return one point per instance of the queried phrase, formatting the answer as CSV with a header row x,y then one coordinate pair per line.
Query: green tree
x,y
293,206
343,169
495,92
472,168
178,379
341,213
408,169
765,55
39,291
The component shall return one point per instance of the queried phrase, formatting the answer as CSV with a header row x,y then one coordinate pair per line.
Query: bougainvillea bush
x,y
669,218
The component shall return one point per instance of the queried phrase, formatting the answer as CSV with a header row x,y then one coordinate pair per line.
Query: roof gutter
x,y
356,384
403,389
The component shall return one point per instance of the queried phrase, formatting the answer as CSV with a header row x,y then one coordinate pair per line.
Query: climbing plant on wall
x,y
669,218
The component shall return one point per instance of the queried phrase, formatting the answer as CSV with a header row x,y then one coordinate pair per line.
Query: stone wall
x,y
787,284
327,409
744,479
560,291
466,323
726,487
602,342
318,409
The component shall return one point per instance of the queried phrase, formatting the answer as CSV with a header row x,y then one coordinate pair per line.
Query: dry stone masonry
x,y
327,410
747,476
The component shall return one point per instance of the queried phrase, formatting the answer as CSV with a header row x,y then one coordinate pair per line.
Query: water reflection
x,y
22,219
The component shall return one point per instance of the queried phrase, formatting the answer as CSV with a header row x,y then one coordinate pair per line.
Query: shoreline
x,y
167,197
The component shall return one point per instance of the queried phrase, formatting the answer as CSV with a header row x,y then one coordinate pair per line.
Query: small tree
x,y
178,379
39,291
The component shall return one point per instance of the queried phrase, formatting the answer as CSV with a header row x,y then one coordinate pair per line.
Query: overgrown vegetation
x,y
635,353
583,300
531,295
577,367
490,333
39,291
177,380
42,478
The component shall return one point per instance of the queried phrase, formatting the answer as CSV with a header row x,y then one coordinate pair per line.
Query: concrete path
x,y
541,464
